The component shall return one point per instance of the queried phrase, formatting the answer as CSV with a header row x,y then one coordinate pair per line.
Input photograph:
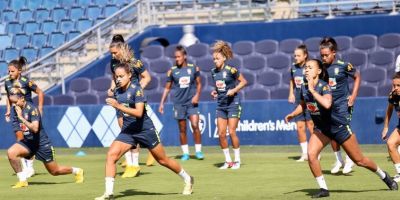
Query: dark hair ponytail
x,y
117,38
328,42
19,64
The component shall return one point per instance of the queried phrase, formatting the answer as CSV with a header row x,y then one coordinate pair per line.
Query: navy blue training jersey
x,y
224,80
134,94
26,86
183,80
297,75
137,68
320,115
30,114
339,72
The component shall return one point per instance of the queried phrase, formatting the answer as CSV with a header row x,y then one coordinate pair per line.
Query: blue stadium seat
x,y
30,54
42,14
385,89
365,42
269,79
289,45
367,91
235,62
93,12
205,64
64,99
389,41
198,50
374,76
278,62
206,96
84,25
10,54
243,48
100,2
279,93
169,51
119,2
67,3
4,5
5,41
3,68
153,84
33,4
154,97
49,26
39,39
71,35
50,4
84,3
45,50
100,84
256,94
66,26
382,58
8,16
86,99
31,27
152,52
250,78
343,42
266,47
160,66
58,14
76,13
358,59
109,10
254,62
14,28
79,86
57,39
17,4
313,44
102,98
21,40
25,15
47,100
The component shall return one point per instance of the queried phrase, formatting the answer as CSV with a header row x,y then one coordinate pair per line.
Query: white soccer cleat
x,y
303,158
226,165
236,165
348,167
396,178
105,197
188,188
336,167
29,172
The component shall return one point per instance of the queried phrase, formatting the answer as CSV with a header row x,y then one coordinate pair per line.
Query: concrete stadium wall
x,y
261,124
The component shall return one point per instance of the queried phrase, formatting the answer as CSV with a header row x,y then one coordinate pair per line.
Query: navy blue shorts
x,y
304,116
43,152
229,112
338,133
184,111
146,138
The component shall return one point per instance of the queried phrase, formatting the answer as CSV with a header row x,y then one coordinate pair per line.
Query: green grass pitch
x,y
268,172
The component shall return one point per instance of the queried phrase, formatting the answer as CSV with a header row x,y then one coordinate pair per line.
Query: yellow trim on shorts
x,y
53,153
349,129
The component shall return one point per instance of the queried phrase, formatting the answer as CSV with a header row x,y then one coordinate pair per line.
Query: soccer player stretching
x,y
228,102
137,128
185,79
317,98
34,143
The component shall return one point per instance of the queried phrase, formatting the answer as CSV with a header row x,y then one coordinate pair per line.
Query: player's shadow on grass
x,y
140,174
178,157
218,165
47,183
132,192
293,157
328,172
310,192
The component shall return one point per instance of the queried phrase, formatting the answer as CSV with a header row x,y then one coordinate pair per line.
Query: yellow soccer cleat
x,y
105,197
20,184
79,178
131,171
150,160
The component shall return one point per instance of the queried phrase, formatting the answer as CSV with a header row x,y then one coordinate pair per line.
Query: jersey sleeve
x,y
32,85
235,73
350,69
139,96
35,116
169,76
325,89
197,72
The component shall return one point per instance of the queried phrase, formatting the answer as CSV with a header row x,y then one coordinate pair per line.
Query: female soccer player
x,y
34,142
296,81
343,100
228,102
317,98
137,128
185,79
15,79
121,52
393,141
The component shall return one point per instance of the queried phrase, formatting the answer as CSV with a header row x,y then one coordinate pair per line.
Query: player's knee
x,y
163,161
361,162
11,154
392,144
54,172
312,155
112,156
195,126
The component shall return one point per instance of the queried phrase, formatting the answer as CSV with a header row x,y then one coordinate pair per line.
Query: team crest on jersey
x,y
129,95
224,74
312,107
34,113
233,70
349,67
30,83
336,71
332,83
139,93
189,71
26,116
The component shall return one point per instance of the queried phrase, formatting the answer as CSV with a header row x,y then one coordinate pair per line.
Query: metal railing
x,y
139,14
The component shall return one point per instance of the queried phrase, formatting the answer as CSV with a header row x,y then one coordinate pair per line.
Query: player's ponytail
x,y
328,42
223,48
19,63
